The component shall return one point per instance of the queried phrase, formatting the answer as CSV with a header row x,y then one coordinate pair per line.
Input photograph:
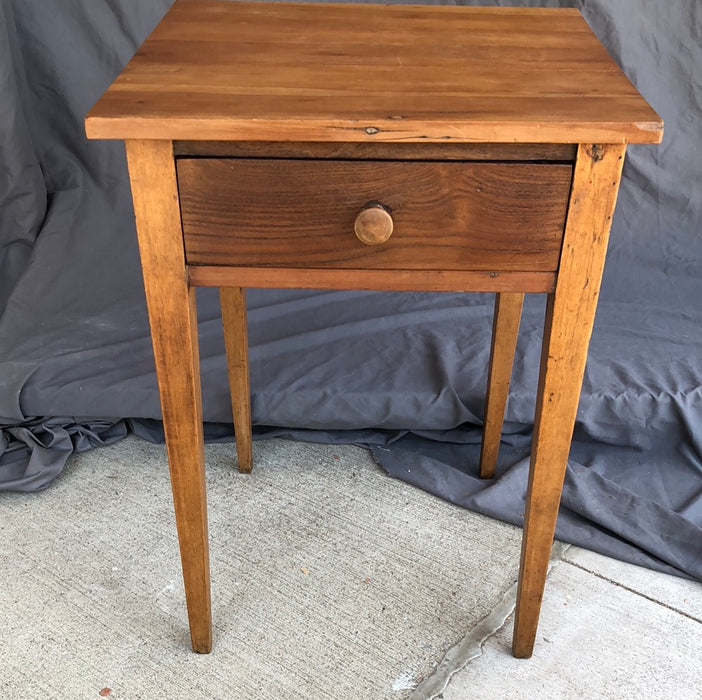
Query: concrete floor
x,y
329,580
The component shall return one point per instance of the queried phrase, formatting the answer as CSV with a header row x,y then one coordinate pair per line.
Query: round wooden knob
x,y
373,224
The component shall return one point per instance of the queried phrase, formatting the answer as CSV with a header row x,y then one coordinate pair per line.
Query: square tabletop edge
x,y
139,105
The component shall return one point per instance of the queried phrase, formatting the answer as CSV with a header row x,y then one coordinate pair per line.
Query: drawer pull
x,y
373,224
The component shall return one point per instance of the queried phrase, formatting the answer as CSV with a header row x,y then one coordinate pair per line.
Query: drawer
x,y
290,213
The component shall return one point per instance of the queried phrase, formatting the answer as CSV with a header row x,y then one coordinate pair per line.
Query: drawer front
x,y
479,216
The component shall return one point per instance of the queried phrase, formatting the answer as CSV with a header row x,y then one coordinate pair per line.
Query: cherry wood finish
x,y
301,213
570,315
380,150
389,280
373,224
495,137
318,72
505,328
233,303
172,316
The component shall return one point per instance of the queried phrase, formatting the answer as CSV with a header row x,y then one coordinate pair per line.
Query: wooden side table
x,y
372,147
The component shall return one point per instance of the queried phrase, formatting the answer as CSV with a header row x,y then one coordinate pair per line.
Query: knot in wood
x,y
596,152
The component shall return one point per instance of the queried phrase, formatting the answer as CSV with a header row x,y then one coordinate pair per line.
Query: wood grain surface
x,y
172,317
379,150
325,72
505,331
236,344
301,213
379,280
570,314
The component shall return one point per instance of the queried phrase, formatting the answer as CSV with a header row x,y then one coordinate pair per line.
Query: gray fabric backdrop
x,y
403,374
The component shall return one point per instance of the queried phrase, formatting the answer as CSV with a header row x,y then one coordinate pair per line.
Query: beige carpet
x,y
330,580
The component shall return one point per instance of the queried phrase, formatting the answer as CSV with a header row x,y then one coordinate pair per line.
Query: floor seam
x,y
470,647
635,592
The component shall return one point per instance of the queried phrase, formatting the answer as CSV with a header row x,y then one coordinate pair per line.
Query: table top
x,y
260,71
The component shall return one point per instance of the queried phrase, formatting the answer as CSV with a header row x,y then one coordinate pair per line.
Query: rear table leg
x,y
233,301
505,329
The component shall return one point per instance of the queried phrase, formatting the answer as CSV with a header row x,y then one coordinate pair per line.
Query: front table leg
x,y
172,316
569,318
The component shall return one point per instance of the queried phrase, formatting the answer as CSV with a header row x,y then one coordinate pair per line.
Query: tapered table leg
x,y
172,316
233,302
505,329
569,318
